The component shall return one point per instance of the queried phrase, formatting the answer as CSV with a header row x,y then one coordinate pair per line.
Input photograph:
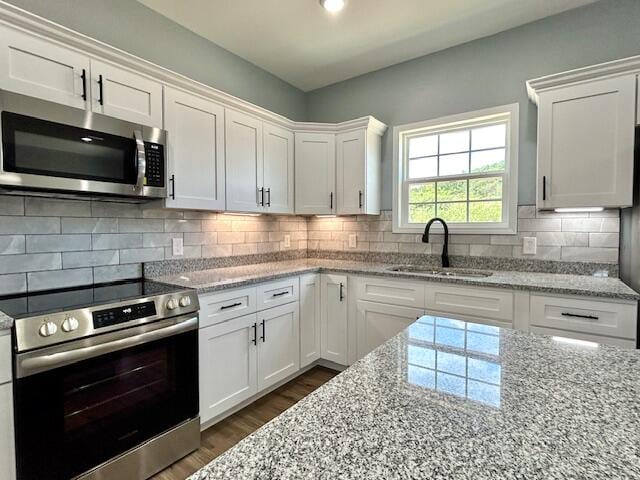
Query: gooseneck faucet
x,y
445,248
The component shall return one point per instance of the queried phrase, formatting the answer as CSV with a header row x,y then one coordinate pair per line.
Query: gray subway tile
x,y
89,225
563,239
13,283
201,238
59,279
490,250
90,259
540,224
29,225
54,207
139,255
11,205
604,240
57,243
30,262
189,251
584,254
114,273
173,225
12,244
611,225
110,241
161,213
159,239
140,225
115,210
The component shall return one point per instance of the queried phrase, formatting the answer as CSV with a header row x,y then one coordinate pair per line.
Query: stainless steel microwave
x,y
55,148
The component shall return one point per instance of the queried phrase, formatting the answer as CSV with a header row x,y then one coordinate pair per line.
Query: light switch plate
x,y
178,247
287,241
529,245
353,240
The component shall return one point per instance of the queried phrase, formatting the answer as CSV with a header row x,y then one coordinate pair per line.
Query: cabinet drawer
x,y
5,358
391,292
474,302
218,307
277,293
584,316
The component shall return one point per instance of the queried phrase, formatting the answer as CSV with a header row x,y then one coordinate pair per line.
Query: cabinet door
x,y
310,346
278,344
377,323
315,173
278,169
334,318
125,95
43,69
243,138
585,144
227,363
195,148
351,160
7,447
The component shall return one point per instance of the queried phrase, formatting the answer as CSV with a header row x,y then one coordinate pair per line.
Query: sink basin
x,y
440,272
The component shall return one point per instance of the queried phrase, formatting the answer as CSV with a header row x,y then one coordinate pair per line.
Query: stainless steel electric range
x,y
105,380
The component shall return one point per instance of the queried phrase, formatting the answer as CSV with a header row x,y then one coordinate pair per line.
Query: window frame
x,y
401,134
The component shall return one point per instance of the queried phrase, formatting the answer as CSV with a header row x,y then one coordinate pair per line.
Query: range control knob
x,y
172,304
47,329
70,324
185,301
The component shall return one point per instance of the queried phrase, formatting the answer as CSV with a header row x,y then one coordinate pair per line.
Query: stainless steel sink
x,y
440,272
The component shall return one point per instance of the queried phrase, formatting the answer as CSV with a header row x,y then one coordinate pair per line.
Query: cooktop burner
x,y
51,301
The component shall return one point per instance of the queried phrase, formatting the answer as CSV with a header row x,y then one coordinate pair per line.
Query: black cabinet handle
x,y
237,304
173,187
341,291
279,294
255,334
331,200
100,97
263,332
268,197
588,317
360,199
544,187
84,84
261,197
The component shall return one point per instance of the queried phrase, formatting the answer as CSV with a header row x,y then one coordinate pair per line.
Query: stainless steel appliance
x,y
54,148
105,380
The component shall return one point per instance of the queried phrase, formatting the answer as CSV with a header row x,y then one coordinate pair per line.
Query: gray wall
x,y
132,27
484,73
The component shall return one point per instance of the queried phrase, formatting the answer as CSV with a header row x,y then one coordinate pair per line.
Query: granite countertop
x,y
6,322
231,277
511,405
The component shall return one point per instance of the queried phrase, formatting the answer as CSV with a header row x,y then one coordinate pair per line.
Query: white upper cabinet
x,y
43,69
358,155
125,95
195,151
315,173
277,169
585,142
243,139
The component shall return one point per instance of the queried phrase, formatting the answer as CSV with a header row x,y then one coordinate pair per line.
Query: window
x,y
462,169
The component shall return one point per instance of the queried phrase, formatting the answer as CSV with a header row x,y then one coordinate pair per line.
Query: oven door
x,y
86,403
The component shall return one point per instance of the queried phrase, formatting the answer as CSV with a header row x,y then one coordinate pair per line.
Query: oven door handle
x,y
31,363
141,160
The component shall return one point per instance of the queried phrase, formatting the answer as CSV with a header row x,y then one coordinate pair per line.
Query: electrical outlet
x,y
353,240
178,247
287,241
529,245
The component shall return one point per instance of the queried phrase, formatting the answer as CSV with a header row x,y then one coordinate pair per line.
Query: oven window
x,y
71,419
39,147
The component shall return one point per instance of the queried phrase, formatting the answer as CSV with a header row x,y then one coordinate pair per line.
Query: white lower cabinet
x,y
334,325
377,322
227,364
310,344
278,344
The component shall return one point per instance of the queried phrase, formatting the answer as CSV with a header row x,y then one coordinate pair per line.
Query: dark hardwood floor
x,y
225,434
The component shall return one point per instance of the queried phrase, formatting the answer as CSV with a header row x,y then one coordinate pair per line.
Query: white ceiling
x,y
298,41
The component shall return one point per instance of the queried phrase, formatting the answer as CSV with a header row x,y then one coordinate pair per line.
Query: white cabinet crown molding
x,y
19,19
614,68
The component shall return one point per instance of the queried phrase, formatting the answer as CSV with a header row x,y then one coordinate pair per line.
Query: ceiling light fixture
x,y
332,6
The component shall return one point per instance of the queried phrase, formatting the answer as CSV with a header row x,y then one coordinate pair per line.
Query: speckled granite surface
x,y
509,405
223,278
6,322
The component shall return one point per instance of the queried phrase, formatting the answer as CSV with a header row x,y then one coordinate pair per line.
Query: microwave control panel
x,y
154,155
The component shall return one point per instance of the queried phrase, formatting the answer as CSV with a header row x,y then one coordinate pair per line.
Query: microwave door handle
x,y
140,160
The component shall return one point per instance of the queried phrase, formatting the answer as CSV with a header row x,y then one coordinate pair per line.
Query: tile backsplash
x,y
50,243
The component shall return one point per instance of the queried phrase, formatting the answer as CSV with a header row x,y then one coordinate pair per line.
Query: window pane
x,y
423,146
422,193
423,167
454,164
489,137
454,142
421,213
485,211
452,190
485,188
488,161
453,212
